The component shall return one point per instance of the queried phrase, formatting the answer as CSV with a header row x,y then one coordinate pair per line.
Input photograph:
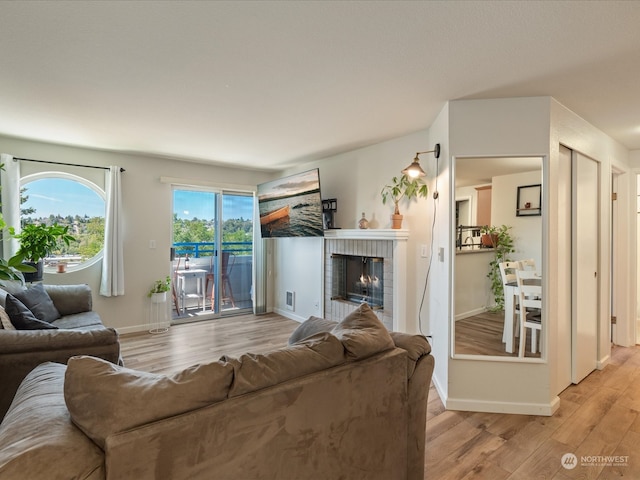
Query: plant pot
x,y
489,241
36,276
159,297
396,221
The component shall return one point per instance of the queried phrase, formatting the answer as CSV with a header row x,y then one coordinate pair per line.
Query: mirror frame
x,y
544,335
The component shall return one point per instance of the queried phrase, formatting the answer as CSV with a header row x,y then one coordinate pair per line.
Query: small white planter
x,y
158,313
160,297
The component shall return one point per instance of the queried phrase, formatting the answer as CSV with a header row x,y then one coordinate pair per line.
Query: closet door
x,y
585,256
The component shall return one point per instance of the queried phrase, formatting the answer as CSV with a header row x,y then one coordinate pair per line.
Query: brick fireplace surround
x,y
391,245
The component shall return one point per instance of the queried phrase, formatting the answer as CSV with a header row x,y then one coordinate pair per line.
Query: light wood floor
x,y
482,335
598,417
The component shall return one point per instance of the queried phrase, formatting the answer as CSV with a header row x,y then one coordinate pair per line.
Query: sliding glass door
x,y
213,245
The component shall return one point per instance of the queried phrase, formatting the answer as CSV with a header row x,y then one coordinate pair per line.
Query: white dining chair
x,y
527,264
508,271
510,289
530,293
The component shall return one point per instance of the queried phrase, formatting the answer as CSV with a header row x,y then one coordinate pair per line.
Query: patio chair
x,y
228,261
174,294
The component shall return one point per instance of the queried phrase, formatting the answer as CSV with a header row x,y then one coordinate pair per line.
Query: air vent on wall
x,y
290,301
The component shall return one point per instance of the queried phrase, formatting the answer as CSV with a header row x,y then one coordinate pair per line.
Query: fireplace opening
x,y
358,279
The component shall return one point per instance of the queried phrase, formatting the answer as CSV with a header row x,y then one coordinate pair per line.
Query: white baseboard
x,y
470,405
603,362
136,328
439,389
471,313
289,314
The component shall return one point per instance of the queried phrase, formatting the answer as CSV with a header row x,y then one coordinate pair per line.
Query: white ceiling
x,y
471,171
270,84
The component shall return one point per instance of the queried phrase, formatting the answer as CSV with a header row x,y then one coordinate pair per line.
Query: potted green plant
x,y
158,292
38,241
399,188
502,243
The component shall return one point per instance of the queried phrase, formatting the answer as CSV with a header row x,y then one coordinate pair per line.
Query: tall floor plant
x,y
502,243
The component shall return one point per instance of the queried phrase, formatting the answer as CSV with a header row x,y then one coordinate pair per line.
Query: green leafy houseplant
x,y
502,243
160,286
39,240
13,268
403,187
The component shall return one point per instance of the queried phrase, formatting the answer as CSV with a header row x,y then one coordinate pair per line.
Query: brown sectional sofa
x,y
346,403
79,332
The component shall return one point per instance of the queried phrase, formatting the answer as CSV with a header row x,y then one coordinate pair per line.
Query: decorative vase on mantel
x,y
396,221
363,224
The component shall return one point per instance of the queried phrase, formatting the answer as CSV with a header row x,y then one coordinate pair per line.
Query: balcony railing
x,y
240,273
207,249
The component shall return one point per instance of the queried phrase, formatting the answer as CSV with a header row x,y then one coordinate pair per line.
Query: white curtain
x,y
259,264
10,180
112,282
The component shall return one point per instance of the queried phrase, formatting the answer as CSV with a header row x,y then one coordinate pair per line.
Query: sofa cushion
x,y
36,299
71,299
22,318
362,333
10,286
254,372
80,321
38,440
311,326
104,398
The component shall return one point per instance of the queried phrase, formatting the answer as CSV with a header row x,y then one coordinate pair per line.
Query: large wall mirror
x,y
504,194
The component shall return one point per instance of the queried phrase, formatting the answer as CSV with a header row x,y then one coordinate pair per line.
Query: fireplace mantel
x,y
367,234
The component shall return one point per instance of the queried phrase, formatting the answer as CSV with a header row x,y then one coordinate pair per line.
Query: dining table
x,y
182,276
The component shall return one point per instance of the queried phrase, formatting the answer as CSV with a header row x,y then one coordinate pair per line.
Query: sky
x,y
189,204
291,185
64,197
59,196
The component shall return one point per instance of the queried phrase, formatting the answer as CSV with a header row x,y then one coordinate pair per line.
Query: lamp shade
x,y
414,170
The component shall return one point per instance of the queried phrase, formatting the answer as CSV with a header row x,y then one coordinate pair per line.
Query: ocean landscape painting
x,y
291,206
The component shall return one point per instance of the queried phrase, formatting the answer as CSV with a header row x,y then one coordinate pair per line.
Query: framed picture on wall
x,y
529,201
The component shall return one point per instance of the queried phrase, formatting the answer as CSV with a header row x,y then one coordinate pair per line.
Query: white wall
x,y
526,231
502,127
535,127
575,133
356,179
297,262
472,286
147,212
634,162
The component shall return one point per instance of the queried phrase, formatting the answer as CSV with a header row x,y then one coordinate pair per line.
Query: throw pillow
x,y
363,334
5,320
38,301
309,327
22,318
254,372
104,399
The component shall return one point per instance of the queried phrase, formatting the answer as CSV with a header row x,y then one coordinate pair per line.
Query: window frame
x,y
83,181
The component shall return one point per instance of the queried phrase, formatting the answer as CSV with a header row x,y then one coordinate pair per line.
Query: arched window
x,y
68,200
